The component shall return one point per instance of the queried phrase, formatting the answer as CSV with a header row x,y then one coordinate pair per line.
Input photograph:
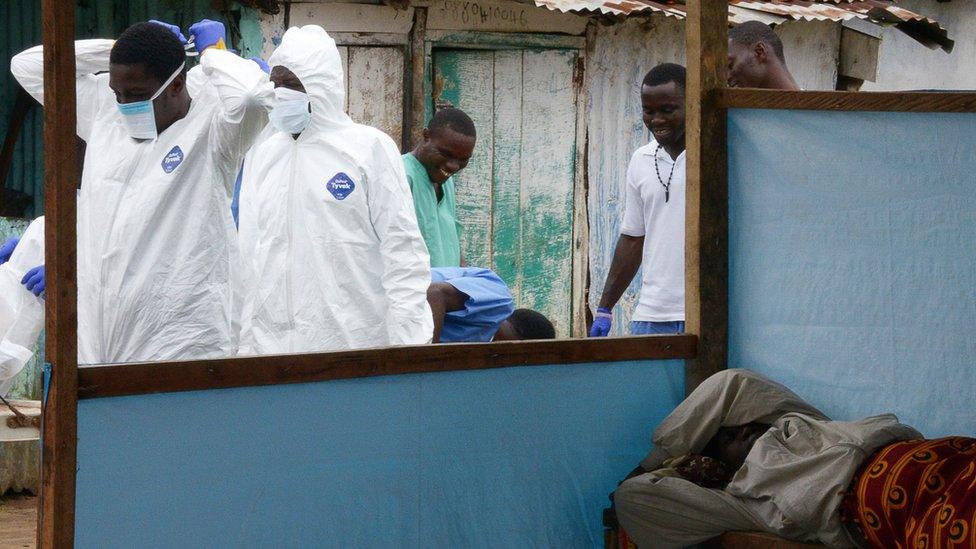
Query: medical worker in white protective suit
x,y
156,240
335,259
21,304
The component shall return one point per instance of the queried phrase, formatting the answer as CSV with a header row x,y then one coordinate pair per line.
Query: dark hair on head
x,y
532,324
149,44
456,119
753,32
664,73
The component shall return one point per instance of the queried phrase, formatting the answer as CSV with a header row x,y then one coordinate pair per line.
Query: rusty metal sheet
x,y
880,12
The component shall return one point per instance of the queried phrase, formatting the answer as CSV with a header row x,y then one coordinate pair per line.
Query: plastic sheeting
x,y
853,260
515,457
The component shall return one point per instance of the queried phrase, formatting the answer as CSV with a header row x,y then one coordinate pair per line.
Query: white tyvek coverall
x,y
156,242
329,266
21,313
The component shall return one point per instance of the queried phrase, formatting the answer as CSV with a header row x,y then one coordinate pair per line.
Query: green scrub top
x,y
437,220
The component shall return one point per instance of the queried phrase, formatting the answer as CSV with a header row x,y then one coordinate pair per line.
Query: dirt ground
x,y
18,519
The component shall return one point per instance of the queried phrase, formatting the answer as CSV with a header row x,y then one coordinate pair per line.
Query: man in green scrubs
x,y
447,145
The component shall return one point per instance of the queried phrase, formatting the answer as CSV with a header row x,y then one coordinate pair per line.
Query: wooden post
x,y
56,517
415,113
706,235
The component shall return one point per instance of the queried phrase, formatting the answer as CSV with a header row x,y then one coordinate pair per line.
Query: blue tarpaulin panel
x,y
515,457
852,244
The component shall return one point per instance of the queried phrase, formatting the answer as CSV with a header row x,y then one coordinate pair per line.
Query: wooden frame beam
x,y
706,234
747,98
56,517
155,377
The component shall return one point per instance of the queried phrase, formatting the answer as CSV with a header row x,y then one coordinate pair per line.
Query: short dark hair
x,y
664,73
453,118
532,324
152,45
753,32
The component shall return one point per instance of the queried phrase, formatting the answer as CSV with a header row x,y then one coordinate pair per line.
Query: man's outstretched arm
x,y
443,298
728,398
627,259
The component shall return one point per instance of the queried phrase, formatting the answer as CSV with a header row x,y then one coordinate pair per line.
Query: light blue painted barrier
x,y
516,457
853,260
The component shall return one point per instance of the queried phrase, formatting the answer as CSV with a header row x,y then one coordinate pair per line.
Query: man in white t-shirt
x,y
653,230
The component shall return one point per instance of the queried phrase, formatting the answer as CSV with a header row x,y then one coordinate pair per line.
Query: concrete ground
x,y
18,520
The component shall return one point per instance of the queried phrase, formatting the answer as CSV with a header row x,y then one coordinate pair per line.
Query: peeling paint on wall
x,y
515,198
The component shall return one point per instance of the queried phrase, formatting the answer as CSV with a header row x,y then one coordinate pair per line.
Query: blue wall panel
x,y
853,260
517,457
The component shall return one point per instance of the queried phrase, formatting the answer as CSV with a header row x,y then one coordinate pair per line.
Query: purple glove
x,y
601,323
208,34
34,280
173,28
261,63
7,249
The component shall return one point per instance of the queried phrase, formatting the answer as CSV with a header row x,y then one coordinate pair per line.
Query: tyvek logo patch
x,y
172,159
341,186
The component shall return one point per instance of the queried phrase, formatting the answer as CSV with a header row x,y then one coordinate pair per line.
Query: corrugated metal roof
x,y
880,12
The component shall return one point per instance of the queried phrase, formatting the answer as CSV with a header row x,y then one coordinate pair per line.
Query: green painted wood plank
x,y
507,169
464,79
547,179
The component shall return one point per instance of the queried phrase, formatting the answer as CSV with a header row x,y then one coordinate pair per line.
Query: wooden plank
x,y
464,80
756,540
488,15
507,169
369,38
547,183
706,235
581,227
744,98
503,40
163,377
416,81
60,429
375,83
347,17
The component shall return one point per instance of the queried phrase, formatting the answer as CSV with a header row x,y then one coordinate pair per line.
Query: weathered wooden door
x,y
374,87
515,199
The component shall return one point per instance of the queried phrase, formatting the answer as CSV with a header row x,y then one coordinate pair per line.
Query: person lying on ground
x,y
474,304
745,453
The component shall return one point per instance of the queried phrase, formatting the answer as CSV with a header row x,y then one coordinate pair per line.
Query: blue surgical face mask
x,y
140,117
290,113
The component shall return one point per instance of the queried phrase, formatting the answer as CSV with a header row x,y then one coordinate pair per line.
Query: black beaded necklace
x,y
667,186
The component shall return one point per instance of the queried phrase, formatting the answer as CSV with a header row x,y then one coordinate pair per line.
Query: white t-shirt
x,y
662,224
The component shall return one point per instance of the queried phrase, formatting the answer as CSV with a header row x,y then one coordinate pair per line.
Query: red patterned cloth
x,y
917,494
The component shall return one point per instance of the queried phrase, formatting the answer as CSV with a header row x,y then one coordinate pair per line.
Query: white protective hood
x,y
21,313
334,258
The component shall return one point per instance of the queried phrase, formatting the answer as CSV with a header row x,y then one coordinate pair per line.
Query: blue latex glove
x,y
602,322
7,249
34,280
208,34
175,30
261,63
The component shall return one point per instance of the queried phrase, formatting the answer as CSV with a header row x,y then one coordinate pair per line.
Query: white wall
x,y
905,64
812,50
